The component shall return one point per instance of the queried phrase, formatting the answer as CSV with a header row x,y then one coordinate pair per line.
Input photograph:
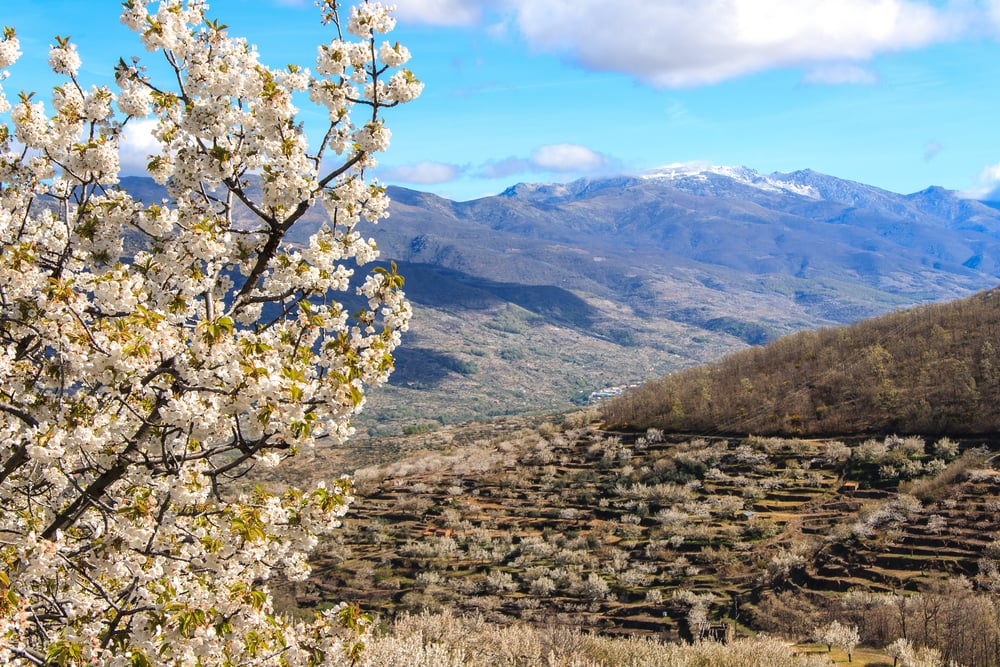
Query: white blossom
x,y
137,377
370,18
10,50
393,55
63,59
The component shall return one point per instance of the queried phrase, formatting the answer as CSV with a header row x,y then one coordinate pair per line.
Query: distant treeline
x,y
933,369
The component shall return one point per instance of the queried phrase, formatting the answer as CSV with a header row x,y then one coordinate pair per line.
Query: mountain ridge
x,y
673,269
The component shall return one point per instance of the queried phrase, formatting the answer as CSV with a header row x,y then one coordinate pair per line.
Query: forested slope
x,y
933,369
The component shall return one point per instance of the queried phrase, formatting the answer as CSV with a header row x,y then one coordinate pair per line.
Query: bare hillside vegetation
x,y
934,370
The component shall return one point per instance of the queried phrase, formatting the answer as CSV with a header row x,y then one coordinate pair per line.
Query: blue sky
x,y
899,94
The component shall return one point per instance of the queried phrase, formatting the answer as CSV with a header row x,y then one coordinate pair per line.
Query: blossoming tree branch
x,y
154,351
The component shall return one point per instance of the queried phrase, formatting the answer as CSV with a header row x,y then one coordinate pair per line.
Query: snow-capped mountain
x,y
835,249
743,175
631,276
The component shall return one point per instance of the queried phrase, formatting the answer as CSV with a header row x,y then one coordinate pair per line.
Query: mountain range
x,y
657,514
545,292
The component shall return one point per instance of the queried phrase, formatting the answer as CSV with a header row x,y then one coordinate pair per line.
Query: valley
x,y
535,297
532,297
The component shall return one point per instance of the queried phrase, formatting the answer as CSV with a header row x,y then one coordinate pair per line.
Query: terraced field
x,y
639,533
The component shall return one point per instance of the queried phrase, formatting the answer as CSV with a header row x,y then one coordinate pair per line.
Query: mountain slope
x,y
803,224
629,531
683,265
546,292
932,369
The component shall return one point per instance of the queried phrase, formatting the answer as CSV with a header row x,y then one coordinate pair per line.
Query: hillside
x,y
577,522
544,293
931,370
567,525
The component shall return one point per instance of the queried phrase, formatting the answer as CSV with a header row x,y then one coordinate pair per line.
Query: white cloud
x,y
693,42
993,13
438,12
560,158
137,145
422,173
841,74
988,188
676,43
567,157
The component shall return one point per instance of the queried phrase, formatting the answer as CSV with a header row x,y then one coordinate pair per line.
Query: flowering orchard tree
x,y
138,377
834,633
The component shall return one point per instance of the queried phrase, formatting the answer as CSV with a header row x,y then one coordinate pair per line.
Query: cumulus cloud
x,y
137,145
677,43
988,188
567,157
421,173
993,14
685,43
557,158
439,12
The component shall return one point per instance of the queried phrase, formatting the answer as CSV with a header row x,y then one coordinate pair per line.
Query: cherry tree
x,y
153,352
842,636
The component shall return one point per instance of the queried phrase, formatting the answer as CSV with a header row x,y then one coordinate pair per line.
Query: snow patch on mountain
x,y
744,175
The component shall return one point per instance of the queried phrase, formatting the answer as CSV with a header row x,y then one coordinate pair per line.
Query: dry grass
x,y
862,657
